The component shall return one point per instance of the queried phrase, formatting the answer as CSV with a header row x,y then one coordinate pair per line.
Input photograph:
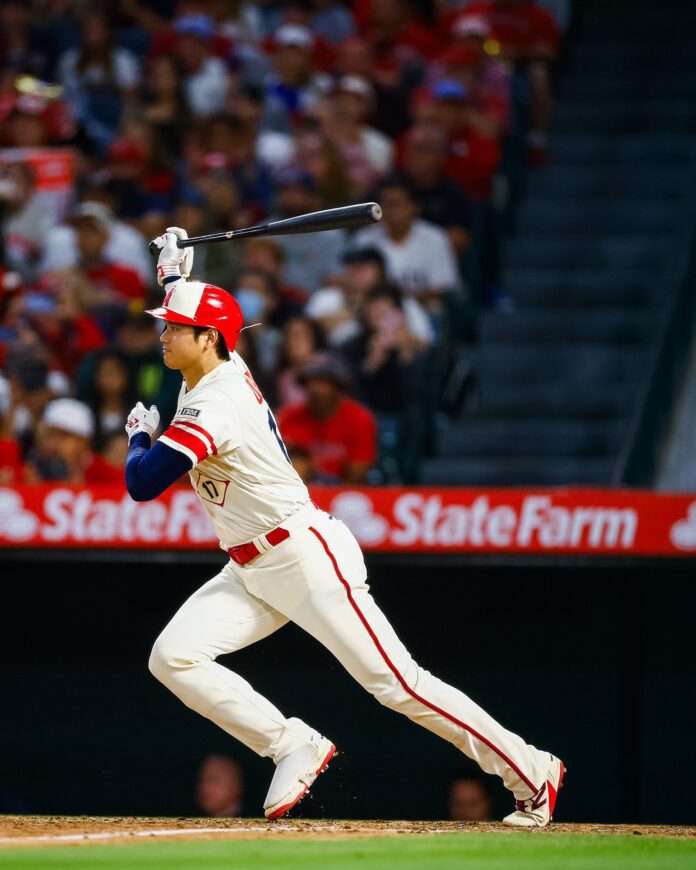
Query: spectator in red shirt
x,y
340,434
63,449
528,37
10,454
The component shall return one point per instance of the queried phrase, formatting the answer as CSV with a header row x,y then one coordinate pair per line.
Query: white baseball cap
x,y
357,85
325,303
472,25
294,34
70,416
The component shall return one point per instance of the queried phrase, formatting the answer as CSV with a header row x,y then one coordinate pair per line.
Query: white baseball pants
x,y
317,578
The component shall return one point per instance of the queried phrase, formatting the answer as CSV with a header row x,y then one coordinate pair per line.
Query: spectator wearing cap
x,y
441,201
205,75
340,433
529,39
99,78
11,468
26,221
473,157
63,448
484,76
294,85
124,244
368,153
310,259
419,256
364,268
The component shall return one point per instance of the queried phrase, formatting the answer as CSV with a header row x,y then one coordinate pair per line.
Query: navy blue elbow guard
x,y
152,470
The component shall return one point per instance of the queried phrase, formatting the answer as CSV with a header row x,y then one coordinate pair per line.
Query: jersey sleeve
x,y
205,426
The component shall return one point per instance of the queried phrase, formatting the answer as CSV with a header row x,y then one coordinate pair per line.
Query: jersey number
x,y
274,429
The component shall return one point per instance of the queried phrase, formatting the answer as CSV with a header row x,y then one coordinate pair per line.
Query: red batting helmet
x,y
193,303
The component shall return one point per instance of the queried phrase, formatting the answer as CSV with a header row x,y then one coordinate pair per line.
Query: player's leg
x,y
324,591
222,617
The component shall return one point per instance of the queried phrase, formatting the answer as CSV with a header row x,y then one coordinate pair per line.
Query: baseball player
x,y
289,560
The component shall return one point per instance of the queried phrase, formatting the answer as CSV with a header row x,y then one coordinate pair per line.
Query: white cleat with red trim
x,y
295,774
537,811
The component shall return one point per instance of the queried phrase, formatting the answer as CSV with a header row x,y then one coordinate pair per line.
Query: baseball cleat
x,y
295,774
537,811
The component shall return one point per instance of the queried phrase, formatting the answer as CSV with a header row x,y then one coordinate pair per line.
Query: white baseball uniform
x,y
315,577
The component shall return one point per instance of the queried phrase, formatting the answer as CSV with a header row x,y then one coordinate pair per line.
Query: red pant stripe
x,y
399,677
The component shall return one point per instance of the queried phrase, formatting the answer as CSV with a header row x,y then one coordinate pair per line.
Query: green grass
x,y
479,851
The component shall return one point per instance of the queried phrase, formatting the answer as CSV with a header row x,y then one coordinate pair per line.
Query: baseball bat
x,y
347,216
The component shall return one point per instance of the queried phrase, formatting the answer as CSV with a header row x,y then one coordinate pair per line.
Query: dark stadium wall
x,y
593,663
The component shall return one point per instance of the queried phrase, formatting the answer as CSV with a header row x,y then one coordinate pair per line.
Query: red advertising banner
x,y
556,522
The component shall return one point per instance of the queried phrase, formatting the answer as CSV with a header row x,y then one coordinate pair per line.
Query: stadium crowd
x,y
118,120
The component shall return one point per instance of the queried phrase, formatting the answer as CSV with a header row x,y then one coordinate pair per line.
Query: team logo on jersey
x,y
188,412
212,489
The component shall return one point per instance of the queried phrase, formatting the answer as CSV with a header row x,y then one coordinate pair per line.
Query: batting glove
x,y
173,261
142,420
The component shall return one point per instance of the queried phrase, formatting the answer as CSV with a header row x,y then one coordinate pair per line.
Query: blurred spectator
x,y
25,219
418,255
261,303
400,35
11,470
368,153
311,259
440,200
301,458
473,156
30,392
294,85
123,245
110,396
332,21
320,157
268,255
61,319
220,787
388,364
485,78
20,46
99,78
469,798
274,148
302,339
329,308
340,434
357,57
364,269
164,100
138,341
529,39
63,447
205,76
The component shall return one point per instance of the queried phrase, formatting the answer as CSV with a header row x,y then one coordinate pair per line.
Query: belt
x,y
243,553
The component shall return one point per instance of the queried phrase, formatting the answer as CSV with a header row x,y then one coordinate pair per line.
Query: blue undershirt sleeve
x,y
151,470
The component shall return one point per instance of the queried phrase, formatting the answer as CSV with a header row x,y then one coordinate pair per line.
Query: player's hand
x,y
173,260
141,419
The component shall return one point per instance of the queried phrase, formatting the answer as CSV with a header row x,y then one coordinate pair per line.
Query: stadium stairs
x,y
598,236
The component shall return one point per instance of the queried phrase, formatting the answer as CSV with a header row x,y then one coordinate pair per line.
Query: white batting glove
x,y
142,420
173,260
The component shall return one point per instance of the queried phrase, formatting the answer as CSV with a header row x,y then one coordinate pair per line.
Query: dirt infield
x,y
54,830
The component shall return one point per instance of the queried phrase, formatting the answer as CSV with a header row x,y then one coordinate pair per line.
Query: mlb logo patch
x,y
188,412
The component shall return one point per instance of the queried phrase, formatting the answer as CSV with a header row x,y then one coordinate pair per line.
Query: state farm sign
x,y
563,521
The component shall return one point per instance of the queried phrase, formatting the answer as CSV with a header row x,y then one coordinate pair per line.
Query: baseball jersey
x,y
241,470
